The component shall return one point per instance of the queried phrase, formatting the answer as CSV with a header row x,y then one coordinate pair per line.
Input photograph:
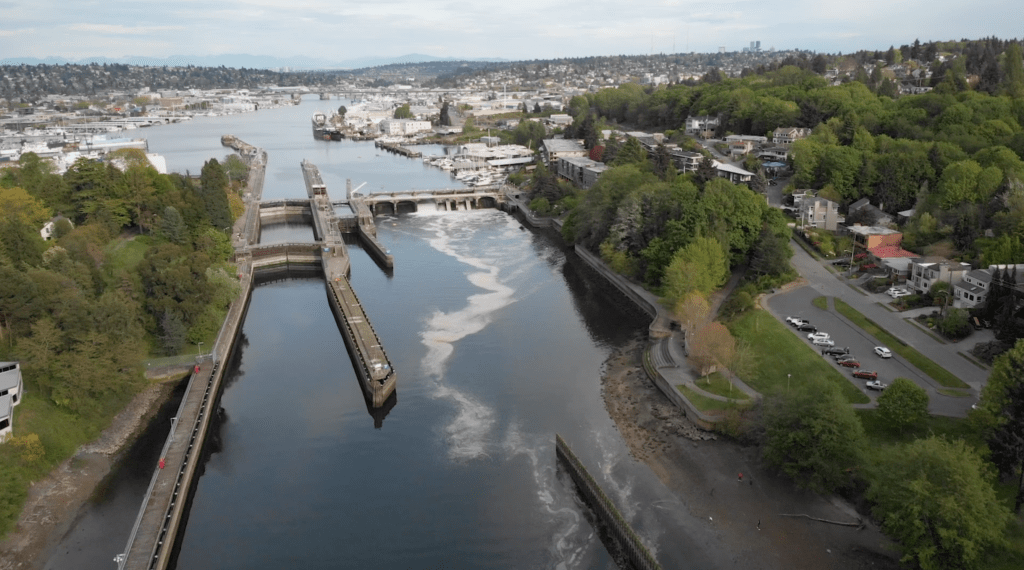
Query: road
x,y
820,281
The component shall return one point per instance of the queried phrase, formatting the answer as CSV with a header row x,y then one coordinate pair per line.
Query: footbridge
x,y
447,199
163,511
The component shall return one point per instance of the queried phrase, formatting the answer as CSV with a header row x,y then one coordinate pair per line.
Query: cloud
x,y
117,29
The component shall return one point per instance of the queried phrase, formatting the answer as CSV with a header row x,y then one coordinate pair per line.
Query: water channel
x,y
498,336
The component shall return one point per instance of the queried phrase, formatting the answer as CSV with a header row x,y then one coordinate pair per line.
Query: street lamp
x,y
788,377
851,259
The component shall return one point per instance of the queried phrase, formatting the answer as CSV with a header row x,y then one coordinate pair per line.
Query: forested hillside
x,y
138,266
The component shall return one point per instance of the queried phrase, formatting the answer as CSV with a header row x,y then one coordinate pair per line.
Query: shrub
x,y
954,324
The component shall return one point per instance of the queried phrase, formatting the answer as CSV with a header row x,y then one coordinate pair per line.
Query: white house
x,y
976,284
11,391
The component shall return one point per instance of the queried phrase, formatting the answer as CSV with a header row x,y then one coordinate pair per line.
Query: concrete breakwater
x,y
638,554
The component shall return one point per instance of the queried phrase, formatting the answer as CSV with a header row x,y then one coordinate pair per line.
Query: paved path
x,y
821,281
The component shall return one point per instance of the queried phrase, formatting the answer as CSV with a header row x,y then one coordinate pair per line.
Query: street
x,y
820,281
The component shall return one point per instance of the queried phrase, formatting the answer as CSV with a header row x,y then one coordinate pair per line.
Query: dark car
x,y
865,374
807,327
850,363
836,351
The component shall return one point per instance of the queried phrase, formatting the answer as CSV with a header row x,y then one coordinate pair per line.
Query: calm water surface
x,y
498,337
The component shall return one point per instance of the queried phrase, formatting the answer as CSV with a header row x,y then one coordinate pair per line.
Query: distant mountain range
x,y
239,61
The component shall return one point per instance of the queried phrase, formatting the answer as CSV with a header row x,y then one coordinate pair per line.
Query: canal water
x,y
498,336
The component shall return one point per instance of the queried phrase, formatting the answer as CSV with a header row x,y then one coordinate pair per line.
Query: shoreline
x,y
55,502
739,521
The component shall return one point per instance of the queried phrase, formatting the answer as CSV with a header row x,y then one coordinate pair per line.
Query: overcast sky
x,y
510,29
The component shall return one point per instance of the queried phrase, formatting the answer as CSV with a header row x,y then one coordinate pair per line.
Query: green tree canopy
x,y
403,112
903,404
935,497
814,436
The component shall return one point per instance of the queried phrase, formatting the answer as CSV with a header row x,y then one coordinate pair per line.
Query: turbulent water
x,y
498,337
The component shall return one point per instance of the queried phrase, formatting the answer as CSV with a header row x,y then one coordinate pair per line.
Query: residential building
x,y
553,149
894,259
581,171
870,237
735,174
864,212
789,135
927,271
974,288
820,213
773,153
703,126
11,392
686,161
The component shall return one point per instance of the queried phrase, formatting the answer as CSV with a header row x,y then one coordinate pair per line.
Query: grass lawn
x,y
705,404
125,254
778,352
953,393
820,302
718,384
922,362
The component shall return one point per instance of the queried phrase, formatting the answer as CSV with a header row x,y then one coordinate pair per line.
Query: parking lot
x,y
797,303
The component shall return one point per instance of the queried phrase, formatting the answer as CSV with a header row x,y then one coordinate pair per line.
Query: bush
x,y
540,206
955,324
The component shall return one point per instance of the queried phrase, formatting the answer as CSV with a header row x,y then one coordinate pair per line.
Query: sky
x,y
511,29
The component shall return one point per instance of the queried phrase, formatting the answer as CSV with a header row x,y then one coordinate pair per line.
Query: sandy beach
x,y
739,521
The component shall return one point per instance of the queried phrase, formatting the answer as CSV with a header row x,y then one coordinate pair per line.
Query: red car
x,y
850,364
865,374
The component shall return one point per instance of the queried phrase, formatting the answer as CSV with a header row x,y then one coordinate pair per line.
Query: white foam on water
x,y
468,432
570,537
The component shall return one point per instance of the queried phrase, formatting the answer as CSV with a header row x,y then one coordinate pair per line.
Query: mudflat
x,y
762,521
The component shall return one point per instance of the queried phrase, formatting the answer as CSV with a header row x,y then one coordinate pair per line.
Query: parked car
x,y
836,351
823,342
816,335
850,363
844,357
883,352
807,327
896,294
865,374
794,321
876,385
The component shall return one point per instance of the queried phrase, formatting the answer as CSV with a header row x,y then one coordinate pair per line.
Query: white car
x,y
823,342
883,352
818,336
897,293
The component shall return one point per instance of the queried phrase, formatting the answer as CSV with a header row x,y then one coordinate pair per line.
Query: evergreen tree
x,y
213,187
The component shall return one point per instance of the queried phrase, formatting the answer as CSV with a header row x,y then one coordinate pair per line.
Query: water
x,y
497,335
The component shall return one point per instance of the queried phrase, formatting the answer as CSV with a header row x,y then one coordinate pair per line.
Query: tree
x,y
771,254
706,170
814,436
213,186
903,404
342,111
536,108
403,112
692,311
712,346
935,497
632,152
1001,413
445,118
1013,74
701,266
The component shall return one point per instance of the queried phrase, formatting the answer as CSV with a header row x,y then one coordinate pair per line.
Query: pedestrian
x,y
162,463
741,477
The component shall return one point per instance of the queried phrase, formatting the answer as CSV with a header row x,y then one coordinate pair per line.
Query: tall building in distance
x,y
755,45
721,49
